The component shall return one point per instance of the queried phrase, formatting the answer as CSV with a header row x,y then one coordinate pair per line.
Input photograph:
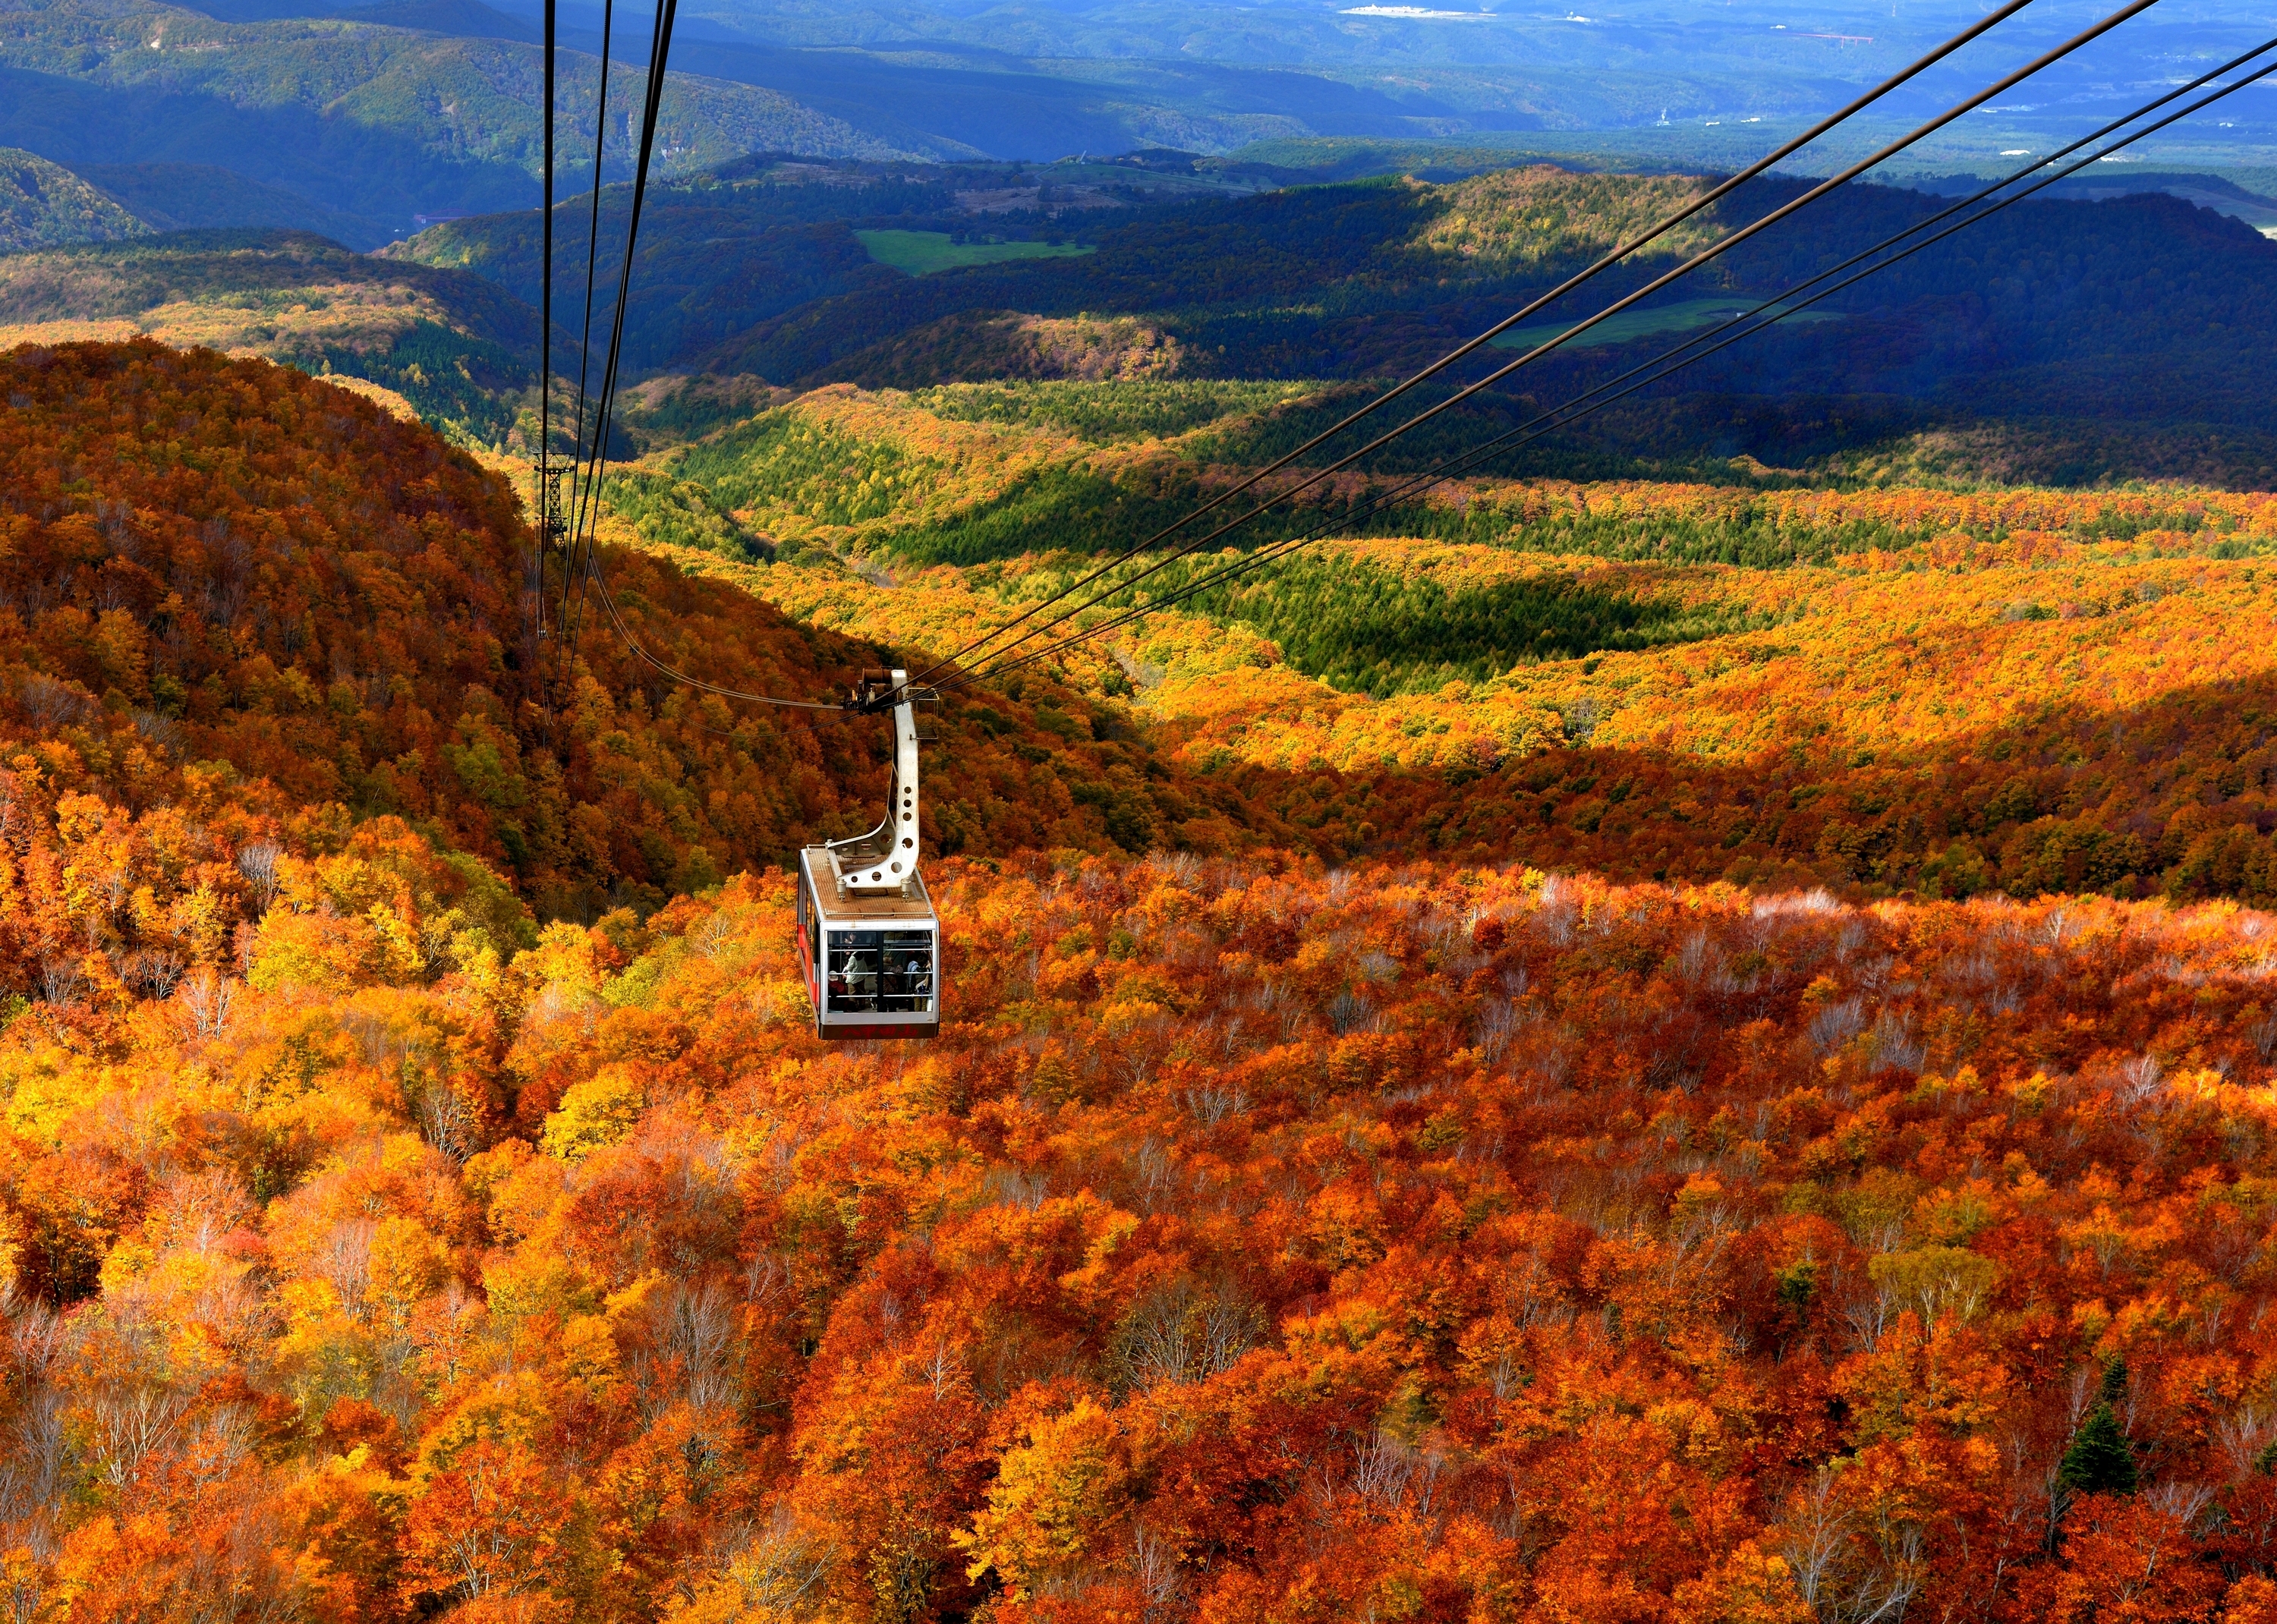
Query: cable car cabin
x,y
871,962
869,942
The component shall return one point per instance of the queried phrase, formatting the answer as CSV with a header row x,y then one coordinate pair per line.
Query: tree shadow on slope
x,y
2175,796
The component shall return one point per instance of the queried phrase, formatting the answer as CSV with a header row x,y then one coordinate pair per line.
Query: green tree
x,y
2100,1459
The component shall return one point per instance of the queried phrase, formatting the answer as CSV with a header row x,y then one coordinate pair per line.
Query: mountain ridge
x,y
378,89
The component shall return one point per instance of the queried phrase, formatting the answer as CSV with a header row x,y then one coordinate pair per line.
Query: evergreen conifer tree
x,y
2099,1461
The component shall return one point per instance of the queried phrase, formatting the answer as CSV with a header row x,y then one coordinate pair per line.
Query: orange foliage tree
x,y
1259,1241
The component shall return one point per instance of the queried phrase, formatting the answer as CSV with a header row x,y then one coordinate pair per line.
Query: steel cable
x,y
604,402
1724,246
1786,150
544,350
585,331
585,514
652,107
1779,308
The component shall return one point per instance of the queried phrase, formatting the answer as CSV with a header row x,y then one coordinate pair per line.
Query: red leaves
x,y
488,1524
2125,1561
1456,1309
335,604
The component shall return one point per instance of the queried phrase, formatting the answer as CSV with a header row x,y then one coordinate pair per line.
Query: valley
x,y
1900,688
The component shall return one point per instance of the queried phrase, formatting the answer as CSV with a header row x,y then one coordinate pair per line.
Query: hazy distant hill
x,y
1045,81
2218,193
43,205
462,19
724,251
375,181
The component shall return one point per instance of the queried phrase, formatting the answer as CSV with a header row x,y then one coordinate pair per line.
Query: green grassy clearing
x,y
1678,318
920,253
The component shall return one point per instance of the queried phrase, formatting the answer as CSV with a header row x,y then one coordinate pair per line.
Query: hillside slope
x,y
236,587
1891,689
188,197
457,348
43,205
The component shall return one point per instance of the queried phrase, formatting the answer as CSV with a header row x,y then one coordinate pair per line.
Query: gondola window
x,y
882,972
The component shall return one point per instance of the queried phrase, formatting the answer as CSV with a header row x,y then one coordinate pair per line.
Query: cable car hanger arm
x,y
885,859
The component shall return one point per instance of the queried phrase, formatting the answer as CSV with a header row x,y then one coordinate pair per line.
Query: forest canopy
x,y
1260,1242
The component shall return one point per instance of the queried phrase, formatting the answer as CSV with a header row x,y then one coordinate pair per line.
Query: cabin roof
x,y
857,909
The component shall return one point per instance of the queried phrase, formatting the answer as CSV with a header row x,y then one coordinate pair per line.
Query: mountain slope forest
x,y
43,204
421,1194
1375,279
1895,688
230,585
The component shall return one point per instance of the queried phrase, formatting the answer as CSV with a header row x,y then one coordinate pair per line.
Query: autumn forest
x,y
1685,1051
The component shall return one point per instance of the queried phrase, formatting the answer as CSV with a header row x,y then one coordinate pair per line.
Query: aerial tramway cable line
x,y
592,265
1625,251
1715,251
882,981
1774,310
556,528
651,109
546,516
869,938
